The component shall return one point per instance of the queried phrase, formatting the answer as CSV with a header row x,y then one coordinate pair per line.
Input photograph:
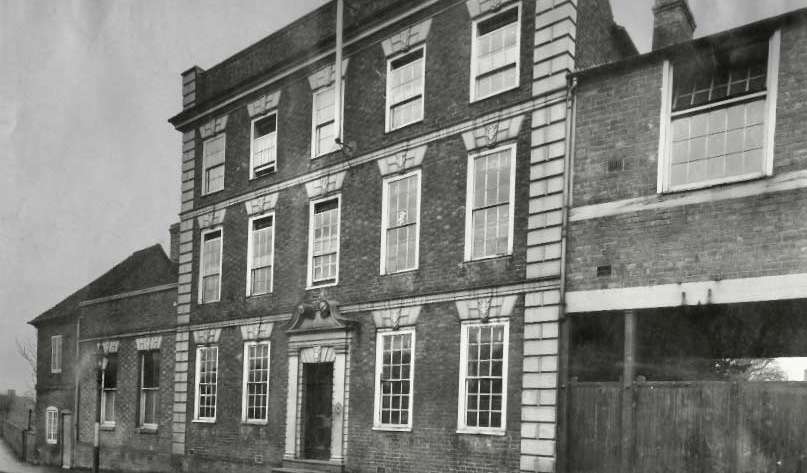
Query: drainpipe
x,y
337,87
76,376
568,162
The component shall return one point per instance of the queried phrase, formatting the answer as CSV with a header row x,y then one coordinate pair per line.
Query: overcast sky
x,y
91,167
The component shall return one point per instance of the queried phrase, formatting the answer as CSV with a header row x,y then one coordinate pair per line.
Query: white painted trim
x,y
310,283
782,182
664,126
125,295
379,354
474,41
469,200
774,47
51,435
56,354
385,220
141,415
196,406
728,291
245,370
250,238
389,104
202,260
462,428
317,153
252,141
204,189
520,108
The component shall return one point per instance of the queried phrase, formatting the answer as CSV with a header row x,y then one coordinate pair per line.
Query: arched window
x,y
52,425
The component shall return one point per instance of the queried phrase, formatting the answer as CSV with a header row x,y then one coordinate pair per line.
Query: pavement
x,y
10,463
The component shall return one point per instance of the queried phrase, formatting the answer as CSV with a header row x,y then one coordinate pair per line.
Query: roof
x,y
143,269
734,35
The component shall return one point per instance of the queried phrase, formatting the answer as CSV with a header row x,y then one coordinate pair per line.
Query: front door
x,y
67,440
318,395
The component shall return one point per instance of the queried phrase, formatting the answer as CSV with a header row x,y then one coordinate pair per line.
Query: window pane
x,y
484,381
257,385
325,242
109,406
396,378
206,384
214,178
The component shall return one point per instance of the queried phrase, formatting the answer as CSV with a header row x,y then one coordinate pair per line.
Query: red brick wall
x,y
154,311
53,389
126,446
228,444
433,444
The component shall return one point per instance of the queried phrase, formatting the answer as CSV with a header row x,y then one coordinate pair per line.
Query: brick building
x,y
127,313
687,253
372,284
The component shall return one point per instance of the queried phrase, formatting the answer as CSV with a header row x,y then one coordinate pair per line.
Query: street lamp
x,y
101,364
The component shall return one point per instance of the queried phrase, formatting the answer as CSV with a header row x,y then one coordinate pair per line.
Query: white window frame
x,y
201,262
316,153
244,392
385,220
51,425
205,190
663,184
250,238
105,392
252,144
311,284
56,352
388,116
142,401
379,358
197,393
462,427
469,201
474,46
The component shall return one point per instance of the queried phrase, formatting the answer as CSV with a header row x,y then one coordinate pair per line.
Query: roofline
x,y
126,295
673,49
318,53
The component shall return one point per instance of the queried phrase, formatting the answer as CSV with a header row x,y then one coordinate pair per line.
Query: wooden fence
x,y
687,427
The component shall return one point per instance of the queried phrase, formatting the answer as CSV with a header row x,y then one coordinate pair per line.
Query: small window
x,y
261,255
110,388
56,354
324,135
256,382
483,378
324,238
207,360
394,374
405,79
400,223
720,116
495,54
264,145
149,388
491,193
52,425
213,162
210,267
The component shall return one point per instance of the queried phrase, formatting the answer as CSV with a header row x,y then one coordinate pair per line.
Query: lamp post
x,y
102,361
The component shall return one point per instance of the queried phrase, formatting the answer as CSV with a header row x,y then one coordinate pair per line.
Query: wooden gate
x,y
687,427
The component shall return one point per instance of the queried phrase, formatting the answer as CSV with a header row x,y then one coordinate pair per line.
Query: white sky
x,y
91,167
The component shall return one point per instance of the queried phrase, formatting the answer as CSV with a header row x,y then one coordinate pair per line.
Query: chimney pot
x,y
672,23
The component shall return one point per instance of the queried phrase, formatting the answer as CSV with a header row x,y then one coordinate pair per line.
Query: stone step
x,y
313,466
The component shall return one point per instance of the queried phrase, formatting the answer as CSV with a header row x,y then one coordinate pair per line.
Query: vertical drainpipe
x,y
76,371
337,88
571,106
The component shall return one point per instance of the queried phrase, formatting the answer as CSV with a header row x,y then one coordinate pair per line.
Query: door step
x,y
309,466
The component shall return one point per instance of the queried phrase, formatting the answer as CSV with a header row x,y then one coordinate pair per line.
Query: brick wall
x,y
442,240
599,44
228,444
126,445
154,311
53,389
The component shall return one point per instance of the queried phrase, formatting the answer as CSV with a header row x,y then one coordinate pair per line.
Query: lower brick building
x,y
123,318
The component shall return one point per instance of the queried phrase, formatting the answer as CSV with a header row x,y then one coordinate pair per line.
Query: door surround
x,y
317,335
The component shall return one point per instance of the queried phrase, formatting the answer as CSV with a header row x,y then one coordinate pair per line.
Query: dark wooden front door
x,y
318,385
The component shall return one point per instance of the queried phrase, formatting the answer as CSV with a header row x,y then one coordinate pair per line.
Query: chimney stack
x,y
174,250
672,23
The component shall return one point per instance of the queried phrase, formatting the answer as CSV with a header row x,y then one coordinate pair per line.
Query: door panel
x,y
317,415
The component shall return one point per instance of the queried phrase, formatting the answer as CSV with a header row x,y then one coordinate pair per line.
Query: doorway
x,y
67,440
317,415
